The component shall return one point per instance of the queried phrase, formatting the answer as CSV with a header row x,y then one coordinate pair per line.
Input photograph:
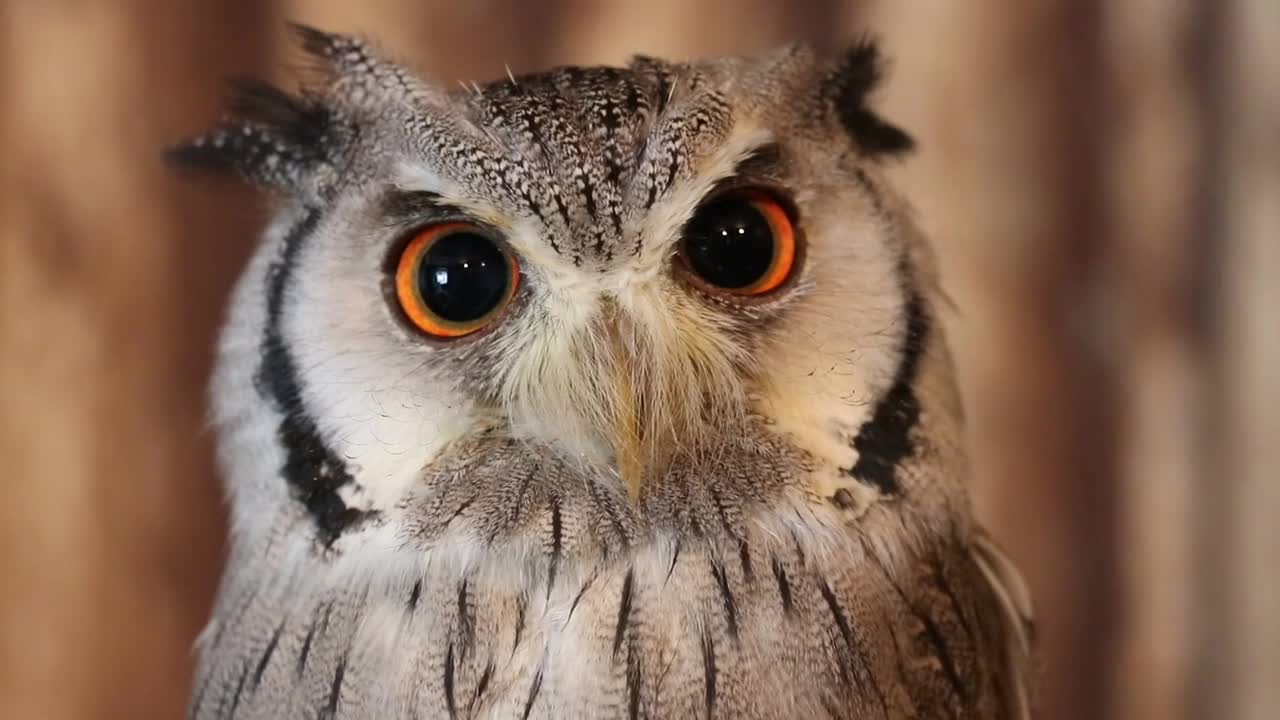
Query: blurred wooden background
x,y
1102,180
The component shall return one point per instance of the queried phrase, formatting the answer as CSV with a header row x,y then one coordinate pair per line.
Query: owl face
x,y
648,296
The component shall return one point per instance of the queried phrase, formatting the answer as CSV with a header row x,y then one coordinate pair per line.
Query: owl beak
x,y
628,446
628,440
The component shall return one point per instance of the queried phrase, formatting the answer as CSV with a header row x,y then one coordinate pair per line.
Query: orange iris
x,y
742,242
784,244
453,279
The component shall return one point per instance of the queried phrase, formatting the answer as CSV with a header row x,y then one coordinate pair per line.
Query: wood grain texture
x,y
1238,648
113,279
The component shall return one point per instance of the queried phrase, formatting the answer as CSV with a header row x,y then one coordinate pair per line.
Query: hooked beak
x,y
627,433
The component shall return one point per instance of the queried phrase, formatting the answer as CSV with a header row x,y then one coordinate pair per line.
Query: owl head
x,y
581,309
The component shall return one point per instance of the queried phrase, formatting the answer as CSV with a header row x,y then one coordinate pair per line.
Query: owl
x,y
597,392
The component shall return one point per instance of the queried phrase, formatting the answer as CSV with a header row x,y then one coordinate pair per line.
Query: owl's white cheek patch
x,y
364,383
833,354
249,451
817,422
384,431
389,438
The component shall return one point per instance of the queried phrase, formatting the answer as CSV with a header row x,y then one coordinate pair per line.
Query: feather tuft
x,y
848,89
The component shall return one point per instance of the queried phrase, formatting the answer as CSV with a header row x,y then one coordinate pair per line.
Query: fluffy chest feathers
x,y
513,586
787,614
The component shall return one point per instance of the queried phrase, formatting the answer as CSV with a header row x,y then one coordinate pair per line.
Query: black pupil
x,y
729,243
462,276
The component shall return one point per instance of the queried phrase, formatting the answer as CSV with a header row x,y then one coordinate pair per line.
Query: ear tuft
x,y
848,89
274,139
301,121
338,58
317,42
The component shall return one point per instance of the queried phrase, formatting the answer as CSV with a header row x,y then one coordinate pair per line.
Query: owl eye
x,y
743,242
453,279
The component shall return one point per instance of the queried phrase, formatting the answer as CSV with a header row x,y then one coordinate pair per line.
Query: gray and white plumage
x,y
628,497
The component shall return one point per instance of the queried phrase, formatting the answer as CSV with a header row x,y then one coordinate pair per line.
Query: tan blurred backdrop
x,y
1101,178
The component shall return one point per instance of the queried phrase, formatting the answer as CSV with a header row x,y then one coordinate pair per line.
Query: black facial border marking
x,y
884,441
313,471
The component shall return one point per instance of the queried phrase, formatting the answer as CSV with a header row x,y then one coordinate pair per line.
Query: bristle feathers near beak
x,y
626,387
628,443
